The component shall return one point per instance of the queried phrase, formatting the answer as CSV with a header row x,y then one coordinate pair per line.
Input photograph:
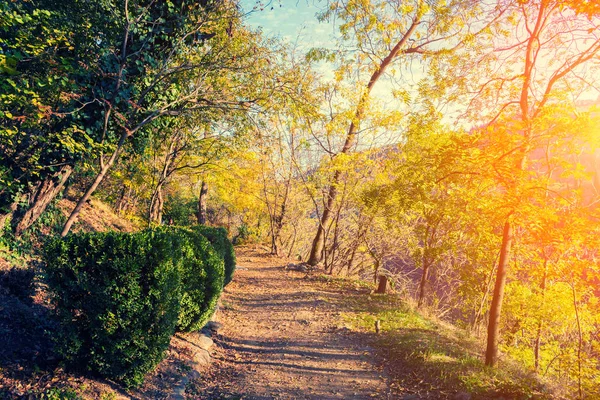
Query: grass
x,y
60,394
430,357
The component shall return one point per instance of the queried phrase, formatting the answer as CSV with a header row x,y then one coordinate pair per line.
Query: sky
x,y
293,21
296,23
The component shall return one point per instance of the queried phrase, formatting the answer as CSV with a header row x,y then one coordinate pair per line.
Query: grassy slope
x,y
432,359
96,216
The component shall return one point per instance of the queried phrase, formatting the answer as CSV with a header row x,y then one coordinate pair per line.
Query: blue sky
x,y
293,21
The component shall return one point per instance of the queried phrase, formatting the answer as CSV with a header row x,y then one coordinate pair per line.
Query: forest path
x,y
282,338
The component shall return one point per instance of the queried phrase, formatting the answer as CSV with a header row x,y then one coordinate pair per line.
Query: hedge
x,y
202,280
120,296
218,238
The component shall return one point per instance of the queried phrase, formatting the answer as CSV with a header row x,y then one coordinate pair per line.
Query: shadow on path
x,y
282,339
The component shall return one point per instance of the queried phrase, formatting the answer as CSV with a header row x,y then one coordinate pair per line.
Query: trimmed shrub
x,y
118,297
218,238
202,280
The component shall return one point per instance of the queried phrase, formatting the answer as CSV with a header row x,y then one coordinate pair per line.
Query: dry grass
x,y
97,216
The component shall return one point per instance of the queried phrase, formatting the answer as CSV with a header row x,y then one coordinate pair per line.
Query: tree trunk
x,y
9,213
160,207
485,294
156,206
382,286
44,193
491,353
278,220
580,341
316,250
99,178
274,246
291,248
202,203
121,200
331,254
424,278
375,269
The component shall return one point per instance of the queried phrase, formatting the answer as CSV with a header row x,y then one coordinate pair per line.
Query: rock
x,y
201,359
303,317
462,396
213,326
204,342
200,339
179,389
297,267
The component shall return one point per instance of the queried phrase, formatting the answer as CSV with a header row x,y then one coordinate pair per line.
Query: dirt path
x,y
282,339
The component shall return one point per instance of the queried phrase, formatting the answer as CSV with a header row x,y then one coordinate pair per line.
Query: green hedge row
x,y
120,297
218,238
202,280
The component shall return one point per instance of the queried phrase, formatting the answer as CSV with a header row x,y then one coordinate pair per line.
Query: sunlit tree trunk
x,y
120,203
426,262
382,284
46,191
424,279
156,206
293,243
278,219
491,353
538,336
202,218
104,168
579,341
316,250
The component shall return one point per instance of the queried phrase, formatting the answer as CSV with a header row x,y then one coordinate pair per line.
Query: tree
x,y
163,65
527,80
49,49
381,37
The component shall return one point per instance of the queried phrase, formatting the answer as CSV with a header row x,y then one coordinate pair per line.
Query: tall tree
x,y
383,37
49,50
540,56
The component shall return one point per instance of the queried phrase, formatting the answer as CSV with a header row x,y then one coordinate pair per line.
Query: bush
x,y
19,282
118,297
218,238
202,280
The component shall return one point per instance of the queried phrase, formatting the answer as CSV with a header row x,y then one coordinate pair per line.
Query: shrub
x,y
202,280
218,238
118,297
19,282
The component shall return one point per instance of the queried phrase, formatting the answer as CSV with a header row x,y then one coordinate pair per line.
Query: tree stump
x,y
382,285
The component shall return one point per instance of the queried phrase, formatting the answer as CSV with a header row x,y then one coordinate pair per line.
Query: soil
x,y
282,338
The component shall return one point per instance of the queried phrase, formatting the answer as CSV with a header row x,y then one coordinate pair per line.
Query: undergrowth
x,y
431,357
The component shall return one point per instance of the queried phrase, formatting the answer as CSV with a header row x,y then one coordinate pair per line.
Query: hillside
x,y
96,216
